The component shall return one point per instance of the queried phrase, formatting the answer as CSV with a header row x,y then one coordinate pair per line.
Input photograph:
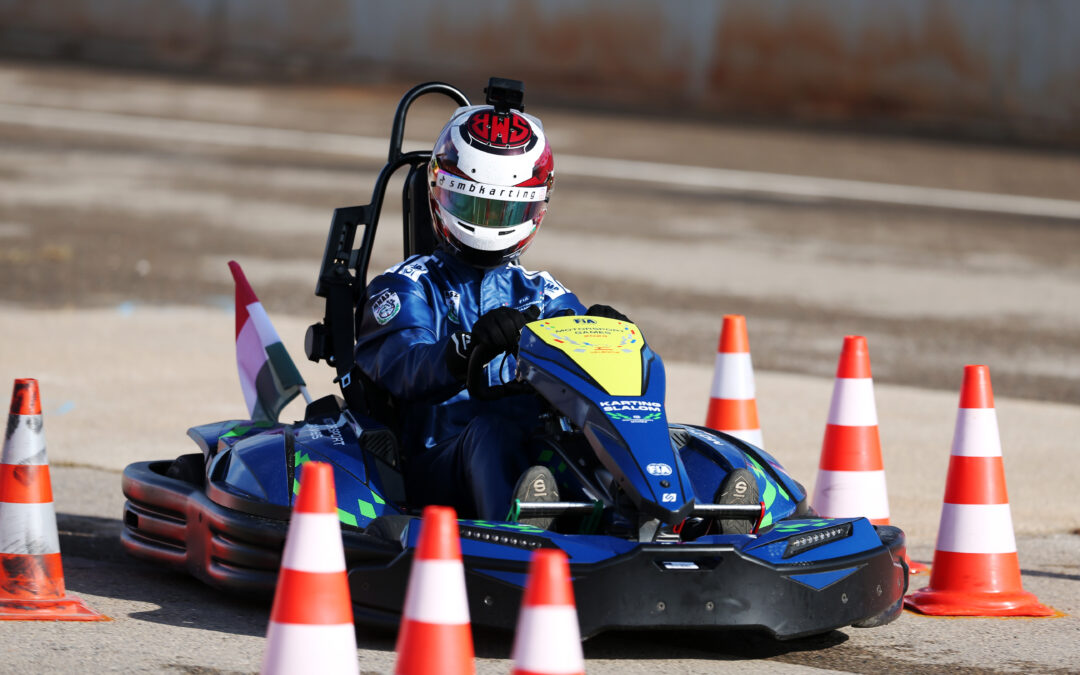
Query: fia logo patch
x,y
385,306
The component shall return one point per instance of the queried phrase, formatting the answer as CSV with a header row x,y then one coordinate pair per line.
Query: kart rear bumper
x,y
178,524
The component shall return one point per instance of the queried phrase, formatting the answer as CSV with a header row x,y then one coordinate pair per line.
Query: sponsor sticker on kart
x,y
633,411
385,307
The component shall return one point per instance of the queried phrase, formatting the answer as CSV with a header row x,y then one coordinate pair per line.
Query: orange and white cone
x,y
733,403
31,573
311,623
851,474
435,637
548,639
976,571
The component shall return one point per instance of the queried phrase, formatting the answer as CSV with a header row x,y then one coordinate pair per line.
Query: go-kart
x,y
656,536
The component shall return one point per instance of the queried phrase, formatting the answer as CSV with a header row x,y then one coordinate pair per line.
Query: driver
x,y
490,179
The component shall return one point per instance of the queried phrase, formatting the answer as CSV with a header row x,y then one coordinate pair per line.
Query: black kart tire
x,y
188,468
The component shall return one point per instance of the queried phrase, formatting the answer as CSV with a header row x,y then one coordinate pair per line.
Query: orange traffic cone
x,y
732,405
851,475
548,640
976,571
31,574
435,637
311,623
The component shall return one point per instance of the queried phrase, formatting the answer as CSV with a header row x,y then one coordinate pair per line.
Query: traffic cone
x,y
851,475
548,639
976,571
311,622
435,637
732,404
31,574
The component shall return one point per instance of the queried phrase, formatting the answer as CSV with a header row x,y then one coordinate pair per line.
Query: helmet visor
x,y
495,206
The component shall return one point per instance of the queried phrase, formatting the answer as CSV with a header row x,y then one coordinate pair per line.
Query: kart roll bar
x,y
343,273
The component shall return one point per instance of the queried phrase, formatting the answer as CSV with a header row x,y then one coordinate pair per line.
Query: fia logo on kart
x,y
584,321
659,469
669,497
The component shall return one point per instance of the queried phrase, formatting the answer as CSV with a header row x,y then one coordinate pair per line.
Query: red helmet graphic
x,y
489,182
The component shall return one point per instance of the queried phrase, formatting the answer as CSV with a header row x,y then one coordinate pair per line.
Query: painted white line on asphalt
x,y
676,176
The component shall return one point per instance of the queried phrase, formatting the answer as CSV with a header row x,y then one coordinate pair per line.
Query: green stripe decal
x,y
377,498
346,517
366,510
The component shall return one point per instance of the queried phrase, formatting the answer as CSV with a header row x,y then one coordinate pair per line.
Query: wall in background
x,y
1000,69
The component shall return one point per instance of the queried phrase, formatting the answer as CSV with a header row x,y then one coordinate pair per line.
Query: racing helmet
x,y
489,181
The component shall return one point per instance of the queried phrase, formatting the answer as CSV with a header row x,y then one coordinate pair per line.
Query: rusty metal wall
x,y
996,68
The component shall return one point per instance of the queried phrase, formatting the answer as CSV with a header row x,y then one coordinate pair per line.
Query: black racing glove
x,y
499,329
607,312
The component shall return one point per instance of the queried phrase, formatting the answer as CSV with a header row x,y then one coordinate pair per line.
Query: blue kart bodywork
x,y
650,541
633,562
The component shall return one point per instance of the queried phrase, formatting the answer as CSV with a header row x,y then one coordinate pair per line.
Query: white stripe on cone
x,y
847,494
306,546
733,376
436,592
976,528
27,442
853,403
28,529
548,641
303,648
751,436
976,433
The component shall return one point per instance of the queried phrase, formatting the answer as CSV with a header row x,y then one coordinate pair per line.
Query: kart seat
x,y
419,235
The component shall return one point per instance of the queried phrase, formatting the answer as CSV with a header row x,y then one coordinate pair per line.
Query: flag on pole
x,y
268,376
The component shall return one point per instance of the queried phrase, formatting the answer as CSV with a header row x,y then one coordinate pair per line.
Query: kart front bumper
x,y
236,544
661,586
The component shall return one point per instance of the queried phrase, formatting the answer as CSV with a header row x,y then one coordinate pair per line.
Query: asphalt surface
x,y
122,195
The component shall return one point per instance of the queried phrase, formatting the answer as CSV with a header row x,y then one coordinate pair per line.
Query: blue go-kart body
x,y
648,543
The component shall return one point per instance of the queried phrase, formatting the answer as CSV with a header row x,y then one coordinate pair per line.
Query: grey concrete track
x,y
114,293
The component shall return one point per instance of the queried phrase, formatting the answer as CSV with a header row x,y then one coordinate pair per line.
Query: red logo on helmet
x,y
499,131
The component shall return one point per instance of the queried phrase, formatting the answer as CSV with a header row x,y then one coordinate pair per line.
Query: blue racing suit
x,y
462,453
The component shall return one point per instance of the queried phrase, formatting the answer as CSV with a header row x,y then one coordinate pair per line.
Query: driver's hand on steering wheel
x,y
498,329
606,311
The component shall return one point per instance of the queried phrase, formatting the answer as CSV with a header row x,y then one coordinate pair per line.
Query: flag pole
x,y
307,396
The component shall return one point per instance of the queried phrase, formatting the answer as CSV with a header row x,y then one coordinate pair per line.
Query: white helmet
x,y
489,182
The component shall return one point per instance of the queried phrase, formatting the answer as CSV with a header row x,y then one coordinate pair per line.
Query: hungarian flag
x,y
268,376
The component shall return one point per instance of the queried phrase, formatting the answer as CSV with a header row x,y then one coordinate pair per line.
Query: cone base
x,y
916,567
960,603
65,609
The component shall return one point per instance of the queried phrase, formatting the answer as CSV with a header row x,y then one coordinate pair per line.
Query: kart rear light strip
x,y
802,543
516,539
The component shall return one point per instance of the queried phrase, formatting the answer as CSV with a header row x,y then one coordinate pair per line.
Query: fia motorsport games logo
x,y
632,410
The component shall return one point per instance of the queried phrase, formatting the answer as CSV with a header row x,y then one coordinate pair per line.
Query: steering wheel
x,y
476,380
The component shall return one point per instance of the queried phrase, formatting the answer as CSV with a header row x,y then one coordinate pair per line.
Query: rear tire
x,y
389,528
189,468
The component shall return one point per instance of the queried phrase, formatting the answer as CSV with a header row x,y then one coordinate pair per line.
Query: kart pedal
x,y
739,487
